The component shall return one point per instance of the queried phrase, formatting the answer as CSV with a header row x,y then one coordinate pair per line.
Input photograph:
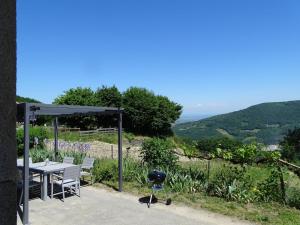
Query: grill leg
x,y
150,200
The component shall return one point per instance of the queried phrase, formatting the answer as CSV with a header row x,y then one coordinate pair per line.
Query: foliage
x,y
290,145
146,113
40,155
265,123
232,184
158,153
26,99
293,197
77,96
105,170
210,145
185,180
269,189
108,96
39,132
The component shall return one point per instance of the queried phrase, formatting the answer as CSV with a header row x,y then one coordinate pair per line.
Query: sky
x,y
210,56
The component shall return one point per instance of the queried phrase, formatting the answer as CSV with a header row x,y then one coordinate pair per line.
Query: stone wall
x,y
95,148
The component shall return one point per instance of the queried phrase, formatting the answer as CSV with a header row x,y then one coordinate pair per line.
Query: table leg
x,y
45,187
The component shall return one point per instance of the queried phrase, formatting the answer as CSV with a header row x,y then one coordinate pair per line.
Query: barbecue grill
x,y
156,178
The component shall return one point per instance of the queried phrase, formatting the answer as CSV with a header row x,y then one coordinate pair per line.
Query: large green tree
x,y
78,96
146,113
108,97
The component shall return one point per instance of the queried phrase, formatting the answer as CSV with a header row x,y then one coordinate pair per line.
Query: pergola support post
x,y
26,166
120,158
55,123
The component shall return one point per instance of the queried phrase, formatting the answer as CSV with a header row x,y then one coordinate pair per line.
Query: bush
x,y
189,180
105,170
232,184
293,197
40,155
269,189
158,153
210,145
40,132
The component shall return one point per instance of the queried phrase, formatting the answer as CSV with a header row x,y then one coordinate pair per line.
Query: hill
x,y
265,123
25,99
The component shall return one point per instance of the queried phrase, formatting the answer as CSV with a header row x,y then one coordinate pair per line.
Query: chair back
x,y
72,172
87,163
69,160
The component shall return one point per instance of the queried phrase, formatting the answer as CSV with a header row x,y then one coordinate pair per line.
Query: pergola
x,y
28,111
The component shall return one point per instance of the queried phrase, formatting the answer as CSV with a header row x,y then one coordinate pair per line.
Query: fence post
x,y
112,151
282,185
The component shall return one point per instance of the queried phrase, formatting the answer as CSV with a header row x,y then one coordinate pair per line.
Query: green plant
x,y
269,189
38,132
105,170
158,153
293,197
40,155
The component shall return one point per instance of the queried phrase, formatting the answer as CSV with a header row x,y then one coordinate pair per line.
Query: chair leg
x,y
52,190
63,192
20,200
79,188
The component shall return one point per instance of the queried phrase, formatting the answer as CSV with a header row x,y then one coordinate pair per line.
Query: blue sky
x,y
212,56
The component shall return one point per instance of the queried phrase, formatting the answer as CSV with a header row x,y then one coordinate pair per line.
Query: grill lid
x,y
157,177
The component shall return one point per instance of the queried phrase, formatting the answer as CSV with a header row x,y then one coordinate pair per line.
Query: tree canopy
x,y
144,112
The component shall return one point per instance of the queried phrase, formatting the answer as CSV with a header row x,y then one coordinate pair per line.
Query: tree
x,y
78,96
8,152
146,113
108,97
290,145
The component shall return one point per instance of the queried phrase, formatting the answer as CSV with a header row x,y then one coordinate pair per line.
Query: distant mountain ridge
x,y
265,123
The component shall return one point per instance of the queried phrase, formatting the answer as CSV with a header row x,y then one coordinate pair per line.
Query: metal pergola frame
x,y
28,111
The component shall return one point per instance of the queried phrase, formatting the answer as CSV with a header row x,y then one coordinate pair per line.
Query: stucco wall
x,y
8,152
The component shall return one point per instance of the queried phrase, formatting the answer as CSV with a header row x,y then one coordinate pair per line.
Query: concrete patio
x,y
99,206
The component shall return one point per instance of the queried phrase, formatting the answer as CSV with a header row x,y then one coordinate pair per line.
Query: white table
x,y
45,170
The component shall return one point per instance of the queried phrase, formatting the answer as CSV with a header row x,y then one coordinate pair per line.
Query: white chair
x,y
70,179
69,160
87,168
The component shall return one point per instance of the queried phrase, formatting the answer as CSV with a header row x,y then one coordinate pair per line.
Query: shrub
x,y
189,180
158,153
78,156
231,183
293,197
105,170
210,145
40,155
269,189
40,132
